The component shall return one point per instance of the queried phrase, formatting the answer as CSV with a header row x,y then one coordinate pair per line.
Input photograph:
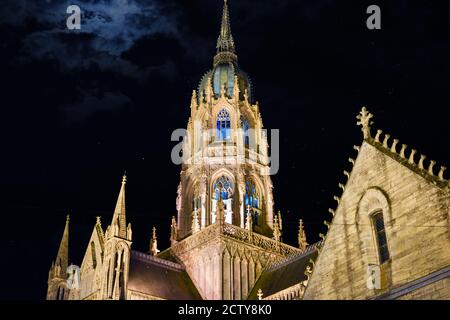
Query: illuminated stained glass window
x,y
227,188
223,125
245,129
380,234
251,195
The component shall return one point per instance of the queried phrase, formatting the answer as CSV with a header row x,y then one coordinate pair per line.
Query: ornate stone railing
x,y
292,293
236,233
197,239
259,240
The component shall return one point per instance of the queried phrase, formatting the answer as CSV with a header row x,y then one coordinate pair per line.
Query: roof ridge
x,y
155,260
409,162
364,120
281,263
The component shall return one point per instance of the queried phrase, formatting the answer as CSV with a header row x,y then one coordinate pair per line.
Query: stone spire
x,y
173,232
276,229
119,223
62,259
226,51
280,220
154,244
302,243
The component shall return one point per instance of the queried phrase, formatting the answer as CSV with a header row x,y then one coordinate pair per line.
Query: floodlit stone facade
x,y
413,199
389,238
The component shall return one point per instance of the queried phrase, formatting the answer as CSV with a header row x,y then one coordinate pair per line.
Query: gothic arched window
x,y
251,195
94,256
380,234
223,125
245,129
227,188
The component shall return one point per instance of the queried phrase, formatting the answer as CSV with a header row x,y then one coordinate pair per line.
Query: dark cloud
x,y
91,104
108,29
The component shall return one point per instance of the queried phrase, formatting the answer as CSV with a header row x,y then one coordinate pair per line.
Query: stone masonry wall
x,y
416,216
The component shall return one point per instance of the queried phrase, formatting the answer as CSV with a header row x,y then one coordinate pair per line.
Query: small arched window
x,y
380,234
245,129
251,195
223,125
94,256
227,188
252,201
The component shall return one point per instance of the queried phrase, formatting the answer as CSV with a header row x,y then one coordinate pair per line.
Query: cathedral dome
x,y
222,75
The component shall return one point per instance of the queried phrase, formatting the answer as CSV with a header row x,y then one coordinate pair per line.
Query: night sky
x,y
78,108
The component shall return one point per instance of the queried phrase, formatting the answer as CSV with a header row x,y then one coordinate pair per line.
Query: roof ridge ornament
x,y
364,121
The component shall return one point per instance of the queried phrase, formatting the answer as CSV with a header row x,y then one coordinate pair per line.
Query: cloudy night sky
x,y
79,107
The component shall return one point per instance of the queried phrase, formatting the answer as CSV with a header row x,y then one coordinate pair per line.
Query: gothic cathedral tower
x,y
225,149
227,232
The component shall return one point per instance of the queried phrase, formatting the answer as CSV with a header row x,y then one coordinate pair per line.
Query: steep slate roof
x,y
160,278
285,273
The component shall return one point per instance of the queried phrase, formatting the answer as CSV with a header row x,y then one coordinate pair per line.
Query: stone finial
x,y
260,294
98,220
223,91
302,242
402,151
332,212
236,90
173,231
347,174
394,146
421,161
280,221
209,90
129,232
385,141
194,104
249,220
364,121
154,243
377,137
411,156
276,230
308,272
195,222
246,96
430,168
441,173
220,207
